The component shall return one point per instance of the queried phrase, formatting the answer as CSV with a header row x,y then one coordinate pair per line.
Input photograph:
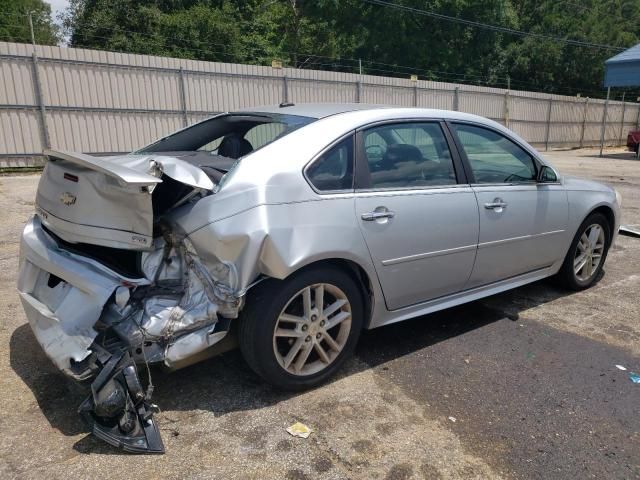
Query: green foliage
x,y
14,22
333,34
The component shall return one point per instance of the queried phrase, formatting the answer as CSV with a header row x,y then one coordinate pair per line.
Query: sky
x,y
56,7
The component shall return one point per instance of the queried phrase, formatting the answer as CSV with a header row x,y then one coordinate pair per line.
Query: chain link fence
x,y
105,102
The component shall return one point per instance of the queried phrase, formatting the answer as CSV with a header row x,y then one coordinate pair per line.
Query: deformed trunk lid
x,y
108,201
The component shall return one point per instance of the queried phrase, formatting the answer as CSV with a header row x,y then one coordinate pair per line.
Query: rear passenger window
x,y
408,155
334,169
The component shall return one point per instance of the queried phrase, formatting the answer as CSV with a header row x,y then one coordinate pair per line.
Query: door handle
x,y
496,204
371,216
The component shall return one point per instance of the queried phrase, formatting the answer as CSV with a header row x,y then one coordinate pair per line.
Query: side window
x,y
407,155
493,157
212,146
334,169
260,135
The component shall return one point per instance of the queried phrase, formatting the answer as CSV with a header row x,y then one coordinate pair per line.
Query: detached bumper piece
x,y
629,231
118,410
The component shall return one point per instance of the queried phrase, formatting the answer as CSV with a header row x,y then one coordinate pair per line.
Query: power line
x,y
341,62
486,26
434,75
265,52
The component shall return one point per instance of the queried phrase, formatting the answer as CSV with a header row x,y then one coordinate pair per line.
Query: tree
x,y
14,22
334,34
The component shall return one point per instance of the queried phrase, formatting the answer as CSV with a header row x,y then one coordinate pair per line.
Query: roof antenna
x,y
286,104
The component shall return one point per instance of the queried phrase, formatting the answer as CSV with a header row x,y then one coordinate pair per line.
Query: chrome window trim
x,y
419,189
531,182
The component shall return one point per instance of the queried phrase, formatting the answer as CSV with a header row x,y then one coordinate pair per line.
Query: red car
x,y
633,140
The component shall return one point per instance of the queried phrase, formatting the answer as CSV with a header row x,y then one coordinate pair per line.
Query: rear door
x,y
522,222
416,212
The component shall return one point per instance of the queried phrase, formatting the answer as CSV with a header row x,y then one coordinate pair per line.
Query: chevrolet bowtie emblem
x,y
67,198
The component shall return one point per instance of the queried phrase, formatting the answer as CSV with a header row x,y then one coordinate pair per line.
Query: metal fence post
x,y
624,107
548,129
358,91
285,89
415,95
37,89
456,99
183,97
584,121
506,109
604,119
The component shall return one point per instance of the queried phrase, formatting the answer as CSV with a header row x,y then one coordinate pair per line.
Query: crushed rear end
x,y
110,285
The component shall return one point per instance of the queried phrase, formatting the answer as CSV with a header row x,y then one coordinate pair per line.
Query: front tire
x,y
296,333
587,254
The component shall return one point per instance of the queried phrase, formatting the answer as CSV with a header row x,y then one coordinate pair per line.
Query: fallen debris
x,y
299,430
453,419
629,231
634,377
620,367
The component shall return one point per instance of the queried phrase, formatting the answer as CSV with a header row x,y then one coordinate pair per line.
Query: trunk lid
x,y
113,201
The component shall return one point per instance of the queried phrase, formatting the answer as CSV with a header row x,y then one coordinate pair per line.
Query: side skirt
x,y
463,297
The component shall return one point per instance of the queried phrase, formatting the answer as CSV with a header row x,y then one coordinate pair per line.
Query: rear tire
x,y
289,340
587,253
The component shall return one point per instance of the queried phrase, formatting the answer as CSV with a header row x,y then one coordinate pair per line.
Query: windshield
x,y
230,135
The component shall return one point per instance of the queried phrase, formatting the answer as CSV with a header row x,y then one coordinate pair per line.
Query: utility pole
x,y
360,65
33,37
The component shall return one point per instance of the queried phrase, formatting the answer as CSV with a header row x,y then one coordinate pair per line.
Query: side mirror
x,y
546,175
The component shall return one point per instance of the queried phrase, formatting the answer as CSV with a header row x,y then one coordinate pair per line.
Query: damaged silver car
x,y
293,228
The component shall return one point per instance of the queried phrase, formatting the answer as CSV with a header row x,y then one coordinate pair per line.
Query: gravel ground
x,y
519,385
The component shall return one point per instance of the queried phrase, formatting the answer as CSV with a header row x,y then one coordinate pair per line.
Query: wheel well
x,y
611,219
359,275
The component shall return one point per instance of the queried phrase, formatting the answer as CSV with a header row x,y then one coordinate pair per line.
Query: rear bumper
x,y
63,295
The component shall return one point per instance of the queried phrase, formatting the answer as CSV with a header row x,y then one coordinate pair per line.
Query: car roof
x,y
323,110
314,110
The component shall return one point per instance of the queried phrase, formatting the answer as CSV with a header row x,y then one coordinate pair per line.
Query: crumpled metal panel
x,y
62,316
107,201
277,240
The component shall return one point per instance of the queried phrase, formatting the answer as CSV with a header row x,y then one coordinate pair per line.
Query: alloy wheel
x,y
312,329
589,252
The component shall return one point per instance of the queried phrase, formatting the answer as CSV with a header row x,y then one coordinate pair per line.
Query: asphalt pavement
x,y
520,385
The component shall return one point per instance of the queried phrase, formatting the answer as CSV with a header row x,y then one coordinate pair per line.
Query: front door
x,y
522,222
419,223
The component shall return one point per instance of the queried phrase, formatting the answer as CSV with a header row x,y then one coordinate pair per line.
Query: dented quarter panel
x,y
277,240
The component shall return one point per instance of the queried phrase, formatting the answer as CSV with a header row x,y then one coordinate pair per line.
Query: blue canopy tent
x,y
623,70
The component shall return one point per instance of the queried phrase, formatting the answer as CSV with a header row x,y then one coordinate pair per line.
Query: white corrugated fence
x,y
105,102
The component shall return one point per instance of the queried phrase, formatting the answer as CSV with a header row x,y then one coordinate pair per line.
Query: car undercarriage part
x,y
629,231
179,313
183,311
119,410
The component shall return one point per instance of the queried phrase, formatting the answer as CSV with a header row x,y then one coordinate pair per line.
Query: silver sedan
x,y
292,227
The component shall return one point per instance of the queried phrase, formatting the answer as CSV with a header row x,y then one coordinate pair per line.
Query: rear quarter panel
x,y
278,239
